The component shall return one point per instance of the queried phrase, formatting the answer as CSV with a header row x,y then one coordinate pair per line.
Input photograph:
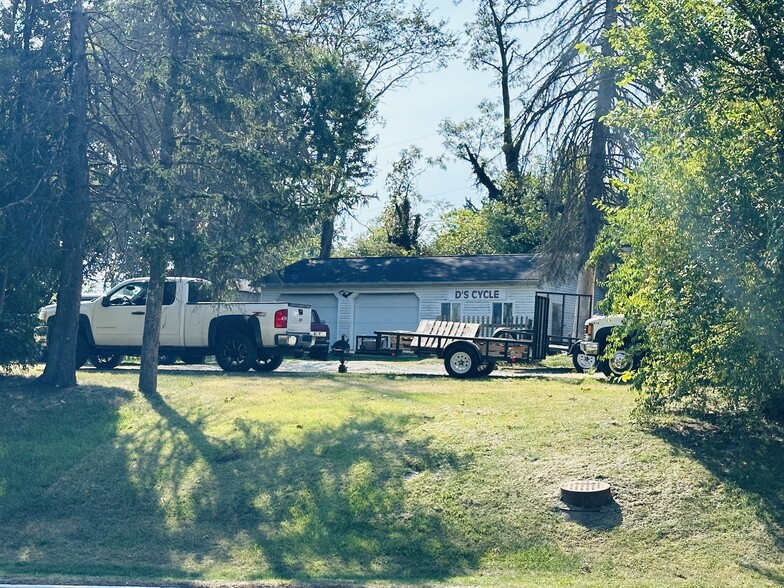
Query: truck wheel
x,y
167,359
267,364
82,350
583,362
620,363
486,368
461,361
193,358
235,352
107,361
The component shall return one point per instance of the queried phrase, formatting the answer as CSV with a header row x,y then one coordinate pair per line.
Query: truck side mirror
x,y
105,301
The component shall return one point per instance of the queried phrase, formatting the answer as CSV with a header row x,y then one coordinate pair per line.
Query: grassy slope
x,y
377,479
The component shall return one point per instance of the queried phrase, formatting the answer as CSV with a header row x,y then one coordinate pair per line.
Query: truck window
x,y
199,292
135,294
169,293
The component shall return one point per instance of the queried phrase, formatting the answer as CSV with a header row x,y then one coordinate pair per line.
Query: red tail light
x,y
281,318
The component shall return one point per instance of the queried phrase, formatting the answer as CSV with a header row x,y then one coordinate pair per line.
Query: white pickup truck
x,y
588,353
241,335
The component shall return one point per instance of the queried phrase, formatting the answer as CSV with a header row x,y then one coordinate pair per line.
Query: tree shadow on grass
x,y
64,490
744,455
96,482
329,504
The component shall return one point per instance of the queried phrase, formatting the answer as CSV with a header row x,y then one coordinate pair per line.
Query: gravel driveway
x,y
407,366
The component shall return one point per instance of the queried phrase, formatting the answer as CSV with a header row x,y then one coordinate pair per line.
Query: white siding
x,y
370,308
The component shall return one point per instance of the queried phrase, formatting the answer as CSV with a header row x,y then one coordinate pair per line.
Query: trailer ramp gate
x,y
541,324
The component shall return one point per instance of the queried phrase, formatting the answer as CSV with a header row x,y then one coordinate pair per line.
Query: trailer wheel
x,y
235,352
486,368
582,362
267,364
461,361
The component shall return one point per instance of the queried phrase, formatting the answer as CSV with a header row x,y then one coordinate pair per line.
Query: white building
x,y
357,296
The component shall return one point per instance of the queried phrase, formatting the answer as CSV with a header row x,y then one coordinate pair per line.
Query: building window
x,y
450,311
502,313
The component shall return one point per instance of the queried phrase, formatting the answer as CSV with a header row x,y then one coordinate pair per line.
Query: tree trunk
x,y
3,288
148,373
158,254
586,284
596,172
327,237
61,366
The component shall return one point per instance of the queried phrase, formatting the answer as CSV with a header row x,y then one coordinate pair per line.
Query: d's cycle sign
x,y
478,295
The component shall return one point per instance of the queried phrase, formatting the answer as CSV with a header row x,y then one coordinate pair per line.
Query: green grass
x,y
377,480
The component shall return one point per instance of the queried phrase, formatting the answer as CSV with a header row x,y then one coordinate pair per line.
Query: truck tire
x,y
621,362
107,362
267,364
235,352
193,358
461,360
167,359
583,362
82,350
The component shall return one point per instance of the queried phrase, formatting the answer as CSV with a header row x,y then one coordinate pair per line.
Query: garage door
x,y
325,304
385,312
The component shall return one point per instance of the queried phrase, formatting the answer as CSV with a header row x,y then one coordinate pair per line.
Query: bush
x,y
17,345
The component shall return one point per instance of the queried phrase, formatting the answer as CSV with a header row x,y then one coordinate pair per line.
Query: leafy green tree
x,y
30,77
399,231
703,283
214,164
497,227
463,231
387,43
403,226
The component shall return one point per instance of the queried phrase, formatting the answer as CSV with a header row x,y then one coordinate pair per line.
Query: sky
x,y
412,115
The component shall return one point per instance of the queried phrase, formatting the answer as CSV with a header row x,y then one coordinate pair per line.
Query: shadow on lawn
x,y
329,505
94,484
747,456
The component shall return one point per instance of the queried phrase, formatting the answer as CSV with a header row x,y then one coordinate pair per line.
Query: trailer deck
x,y
465,354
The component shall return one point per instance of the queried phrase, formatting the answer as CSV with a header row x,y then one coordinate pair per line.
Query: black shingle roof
x,y
406,270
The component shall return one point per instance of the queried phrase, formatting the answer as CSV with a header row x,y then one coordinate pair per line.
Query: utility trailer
x,y
465,353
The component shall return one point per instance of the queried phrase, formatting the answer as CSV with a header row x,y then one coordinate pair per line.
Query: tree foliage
x,y
705,221
399,230
219,133
33,51
554,97
387,43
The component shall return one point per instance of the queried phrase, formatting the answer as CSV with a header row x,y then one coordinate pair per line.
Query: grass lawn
x,y
377,480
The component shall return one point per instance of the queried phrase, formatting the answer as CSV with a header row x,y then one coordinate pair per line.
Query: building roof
x,y
406,270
